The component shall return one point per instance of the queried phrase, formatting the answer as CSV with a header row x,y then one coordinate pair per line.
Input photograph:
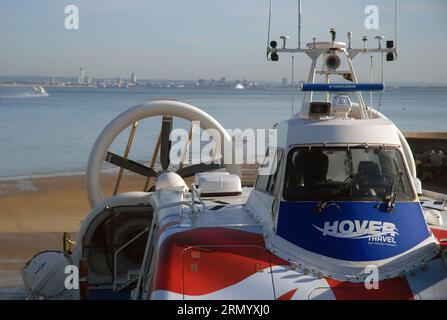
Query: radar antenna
x,y
332,52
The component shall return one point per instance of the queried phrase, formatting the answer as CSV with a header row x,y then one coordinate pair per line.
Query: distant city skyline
x,y
209,39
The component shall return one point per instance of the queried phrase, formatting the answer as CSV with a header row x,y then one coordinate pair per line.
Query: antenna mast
x,y
396,33
268,32
299,24
293,82
330,52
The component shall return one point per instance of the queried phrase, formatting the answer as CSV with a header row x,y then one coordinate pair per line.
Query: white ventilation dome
x,y
218,184
170,181
341,106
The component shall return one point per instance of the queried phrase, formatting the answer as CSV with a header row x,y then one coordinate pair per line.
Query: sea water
x,y
42,135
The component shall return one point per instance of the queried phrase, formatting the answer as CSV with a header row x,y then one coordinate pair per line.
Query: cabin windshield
x,y
349,174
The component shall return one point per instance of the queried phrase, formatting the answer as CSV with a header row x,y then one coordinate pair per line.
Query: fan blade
x,y
201,167
130,165
165,145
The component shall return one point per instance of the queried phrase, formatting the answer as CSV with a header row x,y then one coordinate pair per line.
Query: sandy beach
x,y
52,204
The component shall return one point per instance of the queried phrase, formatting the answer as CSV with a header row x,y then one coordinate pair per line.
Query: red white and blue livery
x,y
341,215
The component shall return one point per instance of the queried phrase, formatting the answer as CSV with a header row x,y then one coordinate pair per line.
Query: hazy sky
x,y
190,39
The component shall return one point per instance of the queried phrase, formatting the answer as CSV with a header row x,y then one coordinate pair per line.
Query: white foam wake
x,y
25,95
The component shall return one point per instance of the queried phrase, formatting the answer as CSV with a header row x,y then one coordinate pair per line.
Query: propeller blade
x,y
130,165
201,167
165,143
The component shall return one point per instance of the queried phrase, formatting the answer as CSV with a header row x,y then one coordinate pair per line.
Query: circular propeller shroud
x,y
166,108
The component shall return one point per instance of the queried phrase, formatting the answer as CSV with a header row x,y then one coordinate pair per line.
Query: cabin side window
x,y
350,174
268,182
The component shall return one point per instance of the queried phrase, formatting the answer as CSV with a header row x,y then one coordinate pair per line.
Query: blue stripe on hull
x,y
358,231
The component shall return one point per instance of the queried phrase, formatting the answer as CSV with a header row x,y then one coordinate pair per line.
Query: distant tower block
x,y
133,78
81,76
284,82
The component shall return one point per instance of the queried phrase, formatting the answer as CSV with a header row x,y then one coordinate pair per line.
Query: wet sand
x,y
17,248
52,204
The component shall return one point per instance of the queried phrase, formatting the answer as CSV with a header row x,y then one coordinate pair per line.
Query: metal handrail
x,y
194,191
147,251
119,250
150,241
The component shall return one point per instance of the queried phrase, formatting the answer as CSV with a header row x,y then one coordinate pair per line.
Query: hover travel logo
x,y
376,232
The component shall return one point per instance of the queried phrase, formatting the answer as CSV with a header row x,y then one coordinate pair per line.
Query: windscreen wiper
x,y
391,196
329,200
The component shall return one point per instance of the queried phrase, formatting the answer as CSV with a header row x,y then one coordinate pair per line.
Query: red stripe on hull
x,y
287,295
201,261
220,267
439,233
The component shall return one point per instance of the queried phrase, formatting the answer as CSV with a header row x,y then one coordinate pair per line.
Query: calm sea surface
x,y
54,134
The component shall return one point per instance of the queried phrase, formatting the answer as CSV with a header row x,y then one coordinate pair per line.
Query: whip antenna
x,y
293,81
396,33
299,24
268,32
371,78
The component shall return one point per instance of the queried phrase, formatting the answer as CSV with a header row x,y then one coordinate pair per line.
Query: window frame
x,y
279,156
408,177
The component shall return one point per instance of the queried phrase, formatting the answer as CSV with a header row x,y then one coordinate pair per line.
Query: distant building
x,y
239,86
81,76
284,82
201,82
133,78
119,82
88,80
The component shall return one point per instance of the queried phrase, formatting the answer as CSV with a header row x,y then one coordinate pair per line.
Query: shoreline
x,y
51,204
42,176
55,174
